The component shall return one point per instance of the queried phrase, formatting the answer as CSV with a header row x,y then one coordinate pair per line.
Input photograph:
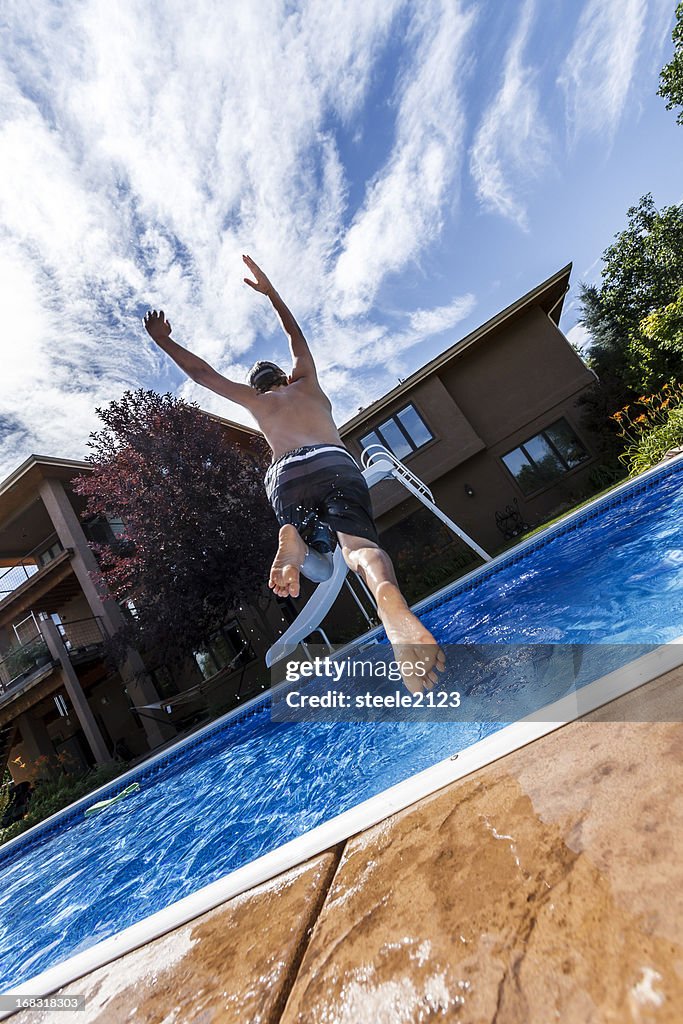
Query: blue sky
x,y
402,170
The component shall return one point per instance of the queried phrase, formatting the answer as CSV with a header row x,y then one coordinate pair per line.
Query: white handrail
x,y
375,453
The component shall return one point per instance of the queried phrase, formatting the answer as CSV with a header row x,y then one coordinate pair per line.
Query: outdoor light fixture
x,y
469,491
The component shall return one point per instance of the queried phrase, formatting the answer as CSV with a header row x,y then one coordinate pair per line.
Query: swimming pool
x,y
246,787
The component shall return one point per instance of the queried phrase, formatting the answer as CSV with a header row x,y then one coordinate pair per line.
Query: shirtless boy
x,y
314,484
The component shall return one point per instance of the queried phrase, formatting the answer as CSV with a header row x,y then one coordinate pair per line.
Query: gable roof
x,y
549,296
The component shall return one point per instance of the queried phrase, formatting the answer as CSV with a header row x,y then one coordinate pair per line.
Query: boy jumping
x,y
314,484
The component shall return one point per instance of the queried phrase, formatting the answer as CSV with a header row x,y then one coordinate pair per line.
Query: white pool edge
x,y
366,814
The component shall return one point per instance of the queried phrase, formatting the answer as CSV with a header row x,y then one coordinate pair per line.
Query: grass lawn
x,y
557,519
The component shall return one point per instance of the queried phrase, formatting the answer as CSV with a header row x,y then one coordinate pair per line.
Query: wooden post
x,y
83,711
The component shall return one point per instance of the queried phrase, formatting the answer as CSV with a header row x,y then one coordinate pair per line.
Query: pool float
x,y
103,804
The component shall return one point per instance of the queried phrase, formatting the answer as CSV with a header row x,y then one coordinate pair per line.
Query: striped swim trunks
x,y
320,490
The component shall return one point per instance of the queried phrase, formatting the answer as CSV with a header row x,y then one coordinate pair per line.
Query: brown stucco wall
x,y
513,376
480,404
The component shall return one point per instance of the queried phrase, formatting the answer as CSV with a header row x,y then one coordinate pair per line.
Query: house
x,y
59,694
493,426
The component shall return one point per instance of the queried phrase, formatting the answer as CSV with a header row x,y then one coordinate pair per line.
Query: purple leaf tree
x,y
198,532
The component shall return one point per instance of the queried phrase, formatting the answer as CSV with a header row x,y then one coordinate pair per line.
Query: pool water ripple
x,y
251,785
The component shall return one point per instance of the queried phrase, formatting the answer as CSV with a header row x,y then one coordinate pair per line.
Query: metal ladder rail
x,y
375,453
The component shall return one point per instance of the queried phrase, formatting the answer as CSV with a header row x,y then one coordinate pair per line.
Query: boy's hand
x,y
156,326
261,284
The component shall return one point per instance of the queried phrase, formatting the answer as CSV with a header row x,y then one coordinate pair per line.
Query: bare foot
x,y
414,646
284,572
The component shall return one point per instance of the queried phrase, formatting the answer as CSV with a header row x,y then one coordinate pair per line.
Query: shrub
x,y
651,427
26,658
53,794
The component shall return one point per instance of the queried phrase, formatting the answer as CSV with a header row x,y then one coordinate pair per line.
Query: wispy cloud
x,y
382,349
426,322
578,335
403,209
598,70
512,142
145,146
661,17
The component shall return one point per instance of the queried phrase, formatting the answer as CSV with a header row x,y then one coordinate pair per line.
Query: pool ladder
x,y
378,464
375,454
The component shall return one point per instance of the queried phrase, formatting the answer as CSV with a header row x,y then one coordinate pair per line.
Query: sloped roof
x,y
549,296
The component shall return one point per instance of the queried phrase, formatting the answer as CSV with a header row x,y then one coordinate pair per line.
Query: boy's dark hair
x,y
264,374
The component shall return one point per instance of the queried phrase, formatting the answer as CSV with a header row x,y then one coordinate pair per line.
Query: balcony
x,y
83,639
44,570
24,667
21,666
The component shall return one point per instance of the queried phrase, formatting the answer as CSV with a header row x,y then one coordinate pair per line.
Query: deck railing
x,y
82,634
12,576
20,663
82,638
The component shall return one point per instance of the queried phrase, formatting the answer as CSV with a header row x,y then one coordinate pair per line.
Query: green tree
x,y
660,342
671,76
642,274
631,318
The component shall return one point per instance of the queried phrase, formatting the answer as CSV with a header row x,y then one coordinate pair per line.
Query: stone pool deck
x,y
545,887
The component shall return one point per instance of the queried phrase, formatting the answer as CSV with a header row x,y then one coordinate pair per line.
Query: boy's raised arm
x,y
304,365
159,330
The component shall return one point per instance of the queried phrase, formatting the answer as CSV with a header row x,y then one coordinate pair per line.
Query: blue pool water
x,y
612,576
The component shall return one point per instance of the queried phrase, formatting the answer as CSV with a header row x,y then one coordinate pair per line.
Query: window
x,y
104,529
403,433
116,525
545,457
49,554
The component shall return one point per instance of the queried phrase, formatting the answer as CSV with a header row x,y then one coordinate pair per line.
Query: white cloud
x,y
661,17
578,335
403,209
598,70
380,350
433,321
512,141
145,146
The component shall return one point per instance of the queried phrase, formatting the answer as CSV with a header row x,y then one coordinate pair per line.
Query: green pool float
x,y
103,804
